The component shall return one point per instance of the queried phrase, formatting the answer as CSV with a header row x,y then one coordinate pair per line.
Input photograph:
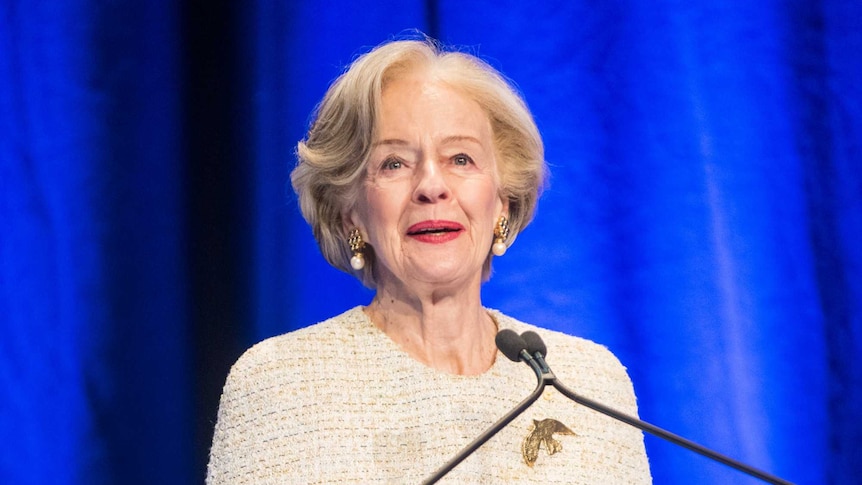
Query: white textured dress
x,y
339,402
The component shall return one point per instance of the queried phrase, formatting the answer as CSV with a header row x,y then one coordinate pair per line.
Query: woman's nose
x,y
431,186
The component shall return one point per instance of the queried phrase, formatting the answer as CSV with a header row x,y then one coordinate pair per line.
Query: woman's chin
x,y
444,273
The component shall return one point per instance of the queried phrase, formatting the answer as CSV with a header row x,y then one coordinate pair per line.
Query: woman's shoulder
x,y
560,343
578,361
304,346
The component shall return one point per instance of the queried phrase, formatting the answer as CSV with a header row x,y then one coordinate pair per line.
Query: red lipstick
x,y
435,232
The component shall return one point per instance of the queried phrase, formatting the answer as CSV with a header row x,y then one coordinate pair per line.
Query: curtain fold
x,y
95,382
703,216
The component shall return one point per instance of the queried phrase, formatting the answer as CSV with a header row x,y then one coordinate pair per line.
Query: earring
x,y
501,235
357,262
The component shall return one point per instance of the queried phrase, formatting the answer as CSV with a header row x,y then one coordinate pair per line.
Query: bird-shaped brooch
x,y
542,434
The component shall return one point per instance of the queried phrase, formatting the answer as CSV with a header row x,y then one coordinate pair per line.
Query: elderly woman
x,y
420,166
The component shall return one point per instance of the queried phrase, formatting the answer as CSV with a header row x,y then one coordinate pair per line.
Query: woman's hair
x,y
332,157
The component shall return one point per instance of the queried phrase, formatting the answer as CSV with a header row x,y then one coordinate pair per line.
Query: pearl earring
x,y
357,262
501,235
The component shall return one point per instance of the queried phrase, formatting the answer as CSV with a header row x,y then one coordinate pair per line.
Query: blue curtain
x,y
703,219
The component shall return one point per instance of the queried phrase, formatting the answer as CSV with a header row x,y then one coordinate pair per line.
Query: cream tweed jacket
x,y
339,402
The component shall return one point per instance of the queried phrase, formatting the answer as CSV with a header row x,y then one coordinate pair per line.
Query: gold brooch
x,y
542,433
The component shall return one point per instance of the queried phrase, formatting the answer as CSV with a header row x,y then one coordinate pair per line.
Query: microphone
x,y
536,348
515,348
534,343
511,344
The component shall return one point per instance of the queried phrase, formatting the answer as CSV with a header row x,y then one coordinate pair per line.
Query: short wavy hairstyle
x,y
332,157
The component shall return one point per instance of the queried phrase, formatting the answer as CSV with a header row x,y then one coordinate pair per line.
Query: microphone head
x,y
510,344
534,343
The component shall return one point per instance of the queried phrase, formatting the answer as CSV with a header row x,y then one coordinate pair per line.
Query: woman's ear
x,y
504,211
350,219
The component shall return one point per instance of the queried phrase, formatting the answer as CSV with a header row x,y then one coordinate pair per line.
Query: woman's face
x,y
431,195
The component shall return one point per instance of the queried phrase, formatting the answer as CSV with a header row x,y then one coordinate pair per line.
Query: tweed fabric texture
x,y
340,402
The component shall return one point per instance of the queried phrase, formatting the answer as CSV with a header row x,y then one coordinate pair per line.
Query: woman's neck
x,y
449,332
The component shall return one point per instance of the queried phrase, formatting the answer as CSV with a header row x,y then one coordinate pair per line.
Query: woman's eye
x,y
462,160
392,164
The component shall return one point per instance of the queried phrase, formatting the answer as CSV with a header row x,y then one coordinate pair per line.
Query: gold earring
x,y
501,235
357,262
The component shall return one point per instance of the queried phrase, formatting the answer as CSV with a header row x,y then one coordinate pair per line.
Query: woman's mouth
x,y
435,231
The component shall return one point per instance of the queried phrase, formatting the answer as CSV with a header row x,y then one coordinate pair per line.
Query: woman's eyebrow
x,y
448,139
390,141
457,138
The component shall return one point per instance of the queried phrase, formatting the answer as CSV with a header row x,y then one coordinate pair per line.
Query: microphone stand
x,y
546,377
496,427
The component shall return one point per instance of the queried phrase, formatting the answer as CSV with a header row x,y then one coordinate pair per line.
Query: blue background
x,y
703,219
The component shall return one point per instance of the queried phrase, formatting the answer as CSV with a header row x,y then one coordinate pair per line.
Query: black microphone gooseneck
x,y
512,346
530,349
537,349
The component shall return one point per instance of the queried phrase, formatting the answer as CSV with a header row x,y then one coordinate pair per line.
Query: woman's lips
x,y
435,231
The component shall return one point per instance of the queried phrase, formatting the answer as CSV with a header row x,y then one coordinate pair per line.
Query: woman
x,y
419,166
